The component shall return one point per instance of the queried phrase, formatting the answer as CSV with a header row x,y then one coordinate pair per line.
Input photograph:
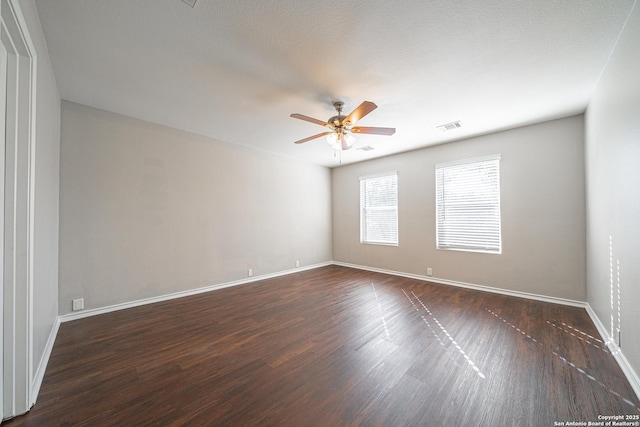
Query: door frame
x,y
3,102
17,158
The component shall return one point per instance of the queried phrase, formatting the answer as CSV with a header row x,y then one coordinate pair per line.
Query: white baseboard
x,y
96,311
44,360
483,288
616,351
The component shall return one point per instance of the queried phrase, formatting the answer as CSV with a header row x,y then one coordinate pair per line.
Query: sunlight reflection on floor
x,y
585,340
564,360
437,322
384,321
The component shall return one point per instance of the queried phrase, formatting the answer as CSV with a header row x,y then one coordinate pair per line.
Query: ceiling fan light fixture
x,y
341,139
347,140
332,139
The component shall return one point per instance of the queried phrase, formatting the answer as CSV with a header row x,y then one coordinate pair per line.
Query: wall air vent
x,y
449,126
366,148
190,2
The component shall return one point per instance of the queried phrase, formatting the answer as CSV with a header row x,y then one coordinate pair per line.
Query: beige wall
x,y
543,212
146,210
613,193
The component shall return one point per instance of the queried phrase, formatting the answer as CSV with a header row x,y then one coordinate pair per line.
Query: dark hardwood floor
x,y
332,347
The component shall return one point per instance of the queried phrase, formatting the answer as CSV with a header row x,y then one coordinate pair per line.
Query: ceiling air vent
x,y
450,126
190,2
366,148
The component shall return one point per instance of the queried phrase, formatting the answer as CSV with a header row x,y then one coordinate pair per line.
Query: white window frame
x,y
364,209
486,236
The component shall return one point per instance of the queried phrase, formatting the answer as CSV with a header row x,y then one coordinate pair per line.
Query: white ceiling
x,y
236,70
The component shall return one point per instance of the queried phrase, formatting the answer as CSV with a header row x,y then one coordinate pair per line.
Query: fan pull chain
x,y
337,153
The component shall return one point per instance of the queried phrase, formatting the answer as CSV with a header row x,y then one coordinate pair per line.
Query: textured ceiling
x,y
236,70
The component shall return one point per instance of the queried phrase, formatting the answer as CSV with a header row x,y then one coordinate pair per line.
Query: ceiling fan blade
x,y
363,109
312,137
373,130
309,119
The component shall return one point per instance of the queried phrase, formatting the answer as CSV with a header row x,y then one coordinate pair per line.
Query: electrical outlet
x,y
250,272
297,263
429,271
77,304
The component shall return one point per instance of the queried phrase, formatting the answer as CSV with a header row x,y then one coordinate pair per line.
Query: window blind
x,y
379,209
468,205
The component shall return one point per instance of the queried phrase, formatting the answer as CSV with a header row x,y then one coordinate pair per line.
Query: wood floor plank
x,y
332,346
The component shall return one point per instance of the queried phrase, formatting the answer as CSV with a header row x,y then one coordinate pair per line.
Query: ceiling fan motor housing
x,y
336,121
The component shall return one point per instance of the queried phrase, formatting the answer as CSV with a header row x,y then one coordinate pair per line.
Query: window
x,y
379,209
468,205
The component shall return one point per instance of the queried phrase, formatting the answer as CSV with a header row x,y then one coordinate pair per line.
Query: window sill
x,y
378,243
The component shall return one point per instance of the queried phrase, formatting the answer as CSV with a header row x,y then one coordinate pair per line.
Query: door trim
x,y
18,202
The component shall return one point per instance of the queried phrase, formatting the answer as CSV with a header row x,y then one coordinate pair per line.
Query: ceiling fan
x,y
340,137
